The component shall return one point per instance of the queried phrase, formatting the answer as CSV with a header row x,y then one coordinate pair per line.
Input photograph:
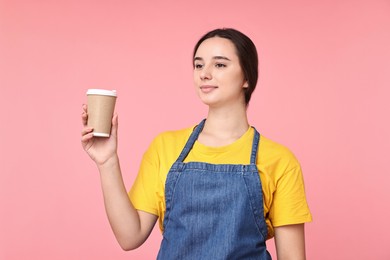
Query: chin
x,y
208,101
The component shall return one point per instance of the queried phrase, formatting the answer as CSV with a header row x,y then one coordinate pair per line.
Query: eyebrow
x,y
214,58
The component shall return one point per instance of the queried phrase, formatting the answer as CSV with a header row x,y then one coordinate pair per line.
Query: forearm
x,y
290,242
123,217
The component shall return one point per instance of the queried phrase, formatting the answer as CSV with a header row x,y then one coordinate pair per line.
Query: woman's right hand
x,y
131,227
100,149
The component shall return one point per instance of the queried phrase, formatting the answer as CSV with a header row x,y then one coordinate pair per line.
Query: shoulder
x,y
173,136
275,156
170,141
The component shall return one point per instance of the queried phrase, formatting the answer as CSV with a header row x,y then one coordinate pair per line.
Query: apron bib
x,y
213,211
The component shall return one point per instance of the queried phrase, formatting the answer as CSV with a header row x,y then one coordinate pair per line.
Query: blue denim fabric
x,y
213,211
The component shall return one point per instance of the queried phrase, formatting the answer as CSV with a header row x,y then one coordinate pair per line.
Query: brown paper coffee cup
x,y
101,105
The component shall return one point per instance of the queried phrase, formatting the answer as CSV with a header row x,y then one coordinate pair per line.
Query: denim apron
x,y
213,211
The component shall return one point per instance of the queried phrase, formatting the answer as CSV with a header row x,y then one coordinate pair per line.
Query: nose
x,y
205,74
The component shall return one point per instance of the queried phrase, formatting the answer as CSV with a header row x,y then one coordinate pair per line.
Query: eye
x,y
198,66
220,65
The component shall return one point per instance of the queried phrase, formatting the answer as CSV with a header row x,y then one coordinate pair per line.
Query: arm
x,y
290,242
131,227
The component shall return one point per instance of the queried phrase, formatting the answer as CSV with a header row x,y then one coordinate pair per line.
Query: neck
x,y
224,125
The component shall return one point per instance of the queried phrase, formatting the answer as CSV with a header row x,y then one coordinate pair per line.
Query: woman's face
x,y
218,77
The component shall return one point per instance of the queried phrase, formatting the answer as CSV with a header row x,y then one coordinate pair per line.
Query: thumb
x,y
114,128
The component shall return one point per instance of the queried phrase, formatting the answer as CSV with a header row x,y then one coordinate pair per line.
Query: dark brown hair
x,y
246,52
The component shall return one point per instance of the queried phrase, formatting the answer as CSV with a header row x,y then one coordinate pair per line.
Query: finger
x,y
86,130
85,108
86,138
115,119
114,128
84,118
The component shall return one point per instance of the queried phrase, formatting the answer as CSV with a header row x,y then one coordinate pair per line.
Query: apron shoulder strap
x,y
190,142
255,146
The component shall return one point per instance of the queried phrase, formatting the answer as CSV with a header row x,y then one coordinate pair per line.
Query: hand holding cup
x,y
99,133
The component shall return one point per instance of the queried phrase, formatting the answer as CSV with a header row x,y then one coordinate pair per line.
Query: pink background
x,y
323,92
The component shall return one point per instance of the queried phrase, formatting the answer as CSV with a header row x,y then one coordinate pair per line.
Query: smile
x,y
207,88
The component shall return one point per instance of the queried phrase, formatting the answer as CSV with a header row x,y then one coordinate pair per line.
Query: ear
x,y
246,85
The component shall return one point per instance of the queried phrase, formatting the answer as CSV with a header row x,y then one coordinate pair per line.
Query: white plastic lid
x,y
103,92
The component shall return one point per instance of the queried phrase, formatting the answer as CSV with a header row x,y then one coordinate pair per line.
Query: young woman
x,y
218,189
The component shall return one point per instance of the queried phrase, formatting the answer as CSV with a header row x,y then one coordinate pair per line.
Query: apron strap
x,y
255,145
190,142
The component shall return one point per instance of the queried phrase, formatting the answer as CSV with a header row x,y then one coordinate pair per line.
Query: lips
x,y
207,88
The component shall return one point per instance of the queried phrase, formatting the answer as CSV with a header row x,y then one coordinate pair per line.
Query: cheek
x,y
194,77
238,79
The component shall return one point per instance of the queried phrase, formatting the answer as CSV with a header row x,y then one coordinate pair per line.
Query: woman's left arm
x,y
290,242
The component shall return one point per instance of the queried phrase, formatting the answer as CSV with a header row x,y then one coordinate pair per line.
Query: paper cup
x,y
101,105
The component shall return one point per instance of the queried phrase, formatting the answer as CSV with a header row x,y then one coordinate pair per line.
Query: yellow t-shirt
x,y
280,174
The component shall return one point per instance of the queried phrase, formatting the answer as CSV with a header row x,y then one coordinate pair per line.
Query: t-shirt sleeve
x,y
144,192
289,204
